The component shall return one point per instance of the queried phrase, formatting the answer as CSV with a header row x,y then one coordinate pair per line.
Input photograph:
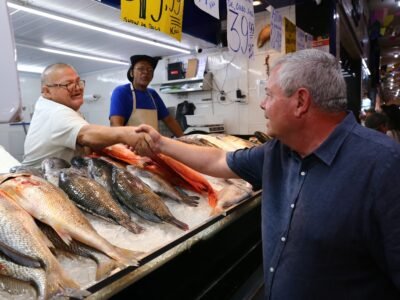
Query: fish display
x,y
162,187
49,204
104,264
94,198
23,242
138,197
230,195
51,168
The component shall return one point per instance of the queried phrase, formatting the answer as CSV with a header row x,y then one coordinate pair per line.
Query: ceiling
x,y
33,32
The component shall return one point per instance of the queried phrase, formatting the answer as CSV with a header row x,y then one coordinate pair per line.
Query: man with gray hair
x,y
57,128
331,189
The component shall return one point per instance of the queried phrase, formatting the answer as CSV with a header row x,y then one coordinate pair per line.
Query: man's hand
x,y
150,141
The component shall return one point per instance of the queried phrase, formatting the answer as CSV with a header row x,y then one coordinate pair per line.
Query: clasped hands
x,y
148,143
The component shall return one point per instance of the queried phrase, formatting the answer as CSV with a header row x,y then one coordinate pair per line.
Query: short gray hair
x,y
317,71
51,68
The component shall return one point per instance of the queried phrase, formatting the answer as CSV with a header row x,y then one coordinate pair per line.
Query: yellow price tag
x,y
290,36
161,15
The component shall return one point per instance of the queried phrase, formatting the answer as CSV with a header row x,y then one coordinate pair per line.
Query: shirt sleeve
x,y
66,124
248,164
162,111
118,104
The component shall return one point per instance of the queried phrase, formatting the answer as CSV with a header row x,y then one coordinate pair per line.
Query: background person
x,y
57,128
330,221
134,103
377,121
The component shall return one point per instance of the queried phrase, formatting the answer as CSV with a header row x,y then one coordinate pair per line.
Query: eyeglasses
x,y
69,86
142,70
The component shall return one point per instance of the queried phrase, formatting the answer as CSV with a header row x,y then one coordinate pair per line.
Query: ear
x,y
45,91
303,102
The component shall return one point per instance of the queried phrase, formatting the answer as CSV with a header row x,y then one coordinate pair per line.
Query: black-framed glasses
x,y
143,69
69,86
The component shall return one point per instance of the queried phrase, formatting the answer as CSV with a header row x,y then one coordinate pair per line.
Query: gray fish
x,y
27,169
104,264
54,163
37,276
137,196
162,187
94,198
19,232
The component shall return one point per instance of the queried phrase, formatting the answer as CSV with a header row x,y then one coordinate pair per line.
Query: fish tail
x,y
212,198
191,200
104,267
177,223
58,283
128,257
131,226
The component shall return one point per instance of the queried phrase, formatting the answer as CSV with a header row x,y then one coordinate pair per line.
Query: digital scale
x,y
204,124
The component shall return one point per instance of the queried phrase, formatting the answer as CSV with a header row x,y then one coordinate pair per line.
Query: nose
x,y
262,104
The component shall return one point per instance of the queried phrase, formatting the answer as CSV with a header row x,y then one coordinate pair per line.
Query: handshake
x,y
148,141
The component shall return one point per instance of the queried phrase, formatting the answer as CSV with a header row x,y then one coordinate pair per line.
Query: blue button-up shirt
x,y
331,220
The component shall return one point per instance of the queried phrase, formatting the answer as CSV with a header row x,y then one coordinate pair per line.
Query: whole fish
x,y
137,196
94,198
23,242
104,264
162,187
51,205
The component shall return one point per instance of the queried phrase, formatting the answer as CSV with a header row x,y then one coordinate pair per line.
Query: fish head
x,y
54,163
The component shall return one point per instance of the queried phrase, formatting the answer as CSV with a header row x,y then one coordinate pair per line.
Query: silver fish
x,y
52,206
137,196
94,198
162,187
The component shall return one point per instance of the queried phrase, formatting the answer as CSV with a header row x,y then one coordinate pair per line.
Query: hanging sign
x,y
240,27
290,36
161,15
209,6
276,31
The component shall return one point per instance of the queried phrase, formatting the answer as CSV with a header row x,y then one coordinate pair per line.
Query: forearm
x,y
174,126
206,160
97,136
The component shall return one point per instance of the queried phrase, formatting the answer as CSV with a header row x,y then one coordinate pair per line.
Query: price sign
x,y
240,27
290,36
161,15
276,31
300,39
209,6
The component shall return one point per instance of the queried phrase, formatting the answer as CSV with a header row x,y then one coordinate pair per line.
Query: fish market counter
x,y
212,260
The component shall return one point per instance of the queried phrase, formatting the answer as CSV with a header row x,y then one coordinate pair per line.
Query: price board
x,y
240,27
276,31
161,15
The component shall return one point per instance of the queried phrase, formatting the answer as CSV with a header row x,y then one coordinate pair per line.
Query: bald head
x,y
49,71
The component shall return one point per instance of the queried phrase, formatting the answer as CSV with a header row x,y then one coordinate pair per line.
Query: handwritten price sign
x,y
161,15
240,27
209,6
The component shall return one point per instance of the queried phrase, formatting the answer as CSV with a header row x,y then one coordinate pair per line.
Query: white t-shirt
x,y
53,132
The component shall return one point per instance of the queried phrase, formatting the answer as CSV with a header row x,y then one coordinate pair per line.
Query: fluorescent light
x,y
112,61
256,3
95,28
30,69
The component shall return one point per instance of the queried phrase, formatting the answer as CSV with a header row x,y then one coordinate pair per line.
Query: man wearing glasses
x,y
134,103
58,129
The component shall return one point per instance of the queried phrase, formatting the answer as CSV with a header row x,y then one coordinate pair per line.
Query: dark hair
x,y
393,114
376,120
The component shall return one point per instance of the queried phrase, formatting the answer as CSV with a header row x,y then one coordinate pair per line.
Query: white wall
x,y
230,73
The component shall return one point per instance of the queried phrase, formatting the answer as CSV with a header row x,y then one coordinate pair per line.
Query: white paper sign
x,y
300,39
240,27
209,6
276,31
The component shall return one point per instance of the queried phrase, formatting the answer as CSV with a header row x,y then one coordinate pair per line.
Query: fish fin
x,y
63,235
19,257
212,198
217,211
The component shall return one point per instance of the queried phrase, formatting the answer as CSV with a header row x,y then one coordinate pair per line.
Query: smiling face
x,y
71,95
142,74
278,108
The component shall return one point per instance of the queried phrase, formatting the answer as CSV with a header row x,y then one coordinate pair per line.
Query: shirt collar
x,y
330,147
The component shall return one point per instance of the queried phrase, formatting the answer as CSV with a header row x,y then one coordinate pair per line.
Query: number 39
x,y
242,32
